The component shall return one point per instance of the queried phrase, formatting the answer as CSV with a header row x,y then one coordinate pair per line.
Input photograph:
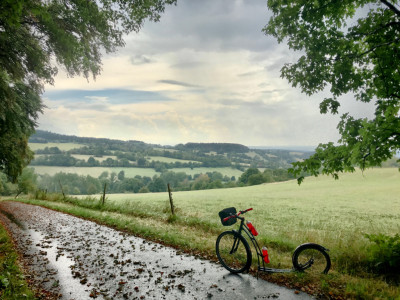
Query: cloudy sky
x,y
204,73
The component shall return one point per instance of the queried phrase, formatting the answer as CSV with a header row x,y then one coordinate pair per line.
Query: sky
x,y
205,73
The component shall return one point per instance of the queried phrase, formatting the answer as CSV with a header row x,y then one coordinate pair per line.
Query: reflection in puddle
x,y
70,287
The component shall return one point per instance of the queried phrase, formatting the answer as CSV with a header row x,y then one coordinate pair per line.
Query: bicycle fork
x,y
235,245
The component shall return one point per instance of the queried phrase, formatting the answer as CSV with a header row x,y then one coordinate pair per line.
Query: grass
x,y
82,157
61,146
224,171
86,157
335,214
169,160
12,282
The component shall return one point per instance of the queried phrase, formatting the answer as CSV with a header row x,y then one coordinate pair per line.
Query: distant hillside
x,y
42,136
214,147
141,154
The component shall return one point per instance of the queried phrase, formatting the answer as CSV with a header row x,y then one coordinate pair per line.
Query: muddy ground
x,y
65,257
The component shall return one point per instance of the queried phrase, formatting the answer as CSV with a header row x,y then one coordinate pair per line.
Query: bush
x,y
385,254
40,194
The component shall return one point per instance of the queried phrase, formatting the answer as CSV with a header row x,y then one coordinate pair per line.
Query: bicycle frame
x,y
300,252
260,258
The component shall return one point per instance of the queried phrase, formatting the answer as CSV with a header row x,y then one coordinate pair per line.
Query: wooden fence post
x,y
62,190
171,202
104,193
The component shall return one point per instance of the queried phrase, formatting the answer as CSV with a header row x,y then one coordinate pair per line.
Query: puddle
x,y
79,259
70,287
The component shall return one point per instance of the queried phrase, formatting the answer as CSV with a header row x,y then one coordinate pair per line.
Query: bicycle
x,y
234,253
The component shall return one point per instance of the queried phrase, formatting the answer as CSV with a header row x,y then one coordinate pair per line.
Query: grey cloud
x,y
258,106
140,60
86,106
231,102
187,65
180,83
264,84
248,74
222,25
273,91
276,65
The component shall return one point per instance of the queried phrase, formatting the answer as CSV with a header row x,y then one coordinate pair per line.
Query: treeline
x,y
253,176
42,136
219,148
55,157
74,184
117,183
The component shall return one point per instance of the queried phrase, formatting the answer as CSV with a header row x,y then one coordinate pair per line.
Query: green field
x,y
86,157
93,171
83,157
224,171
169,160
129,172
334,213
61,146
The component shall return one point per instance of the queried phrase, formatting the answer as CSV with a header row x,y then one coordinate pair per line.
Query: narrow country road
x,y
71,258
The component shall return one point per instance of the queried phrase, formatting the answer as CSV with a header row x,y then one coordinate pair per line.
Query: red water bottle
x,y
251,228
265,254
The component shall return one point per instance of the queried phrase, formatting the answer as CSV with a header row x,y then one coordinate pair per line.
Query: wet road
x,y
78,259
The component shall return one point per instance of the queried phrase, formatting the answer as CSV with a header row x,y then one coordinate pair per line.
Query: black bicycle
x,y
234,252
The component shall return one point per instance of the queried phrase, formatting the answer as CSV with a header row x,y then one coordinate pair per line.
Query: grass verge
x,y
12,282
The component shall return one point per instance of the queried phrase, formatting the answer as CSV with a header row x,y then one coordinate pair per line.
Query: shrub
x,y
385,254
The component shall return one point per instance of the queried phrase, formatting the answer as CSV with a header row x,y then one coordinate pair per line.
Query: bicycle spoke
x,y
312,260
232,252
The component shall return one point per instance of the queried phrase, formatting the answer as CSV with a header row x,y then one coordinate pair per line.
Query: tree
x,y
6,188
201,182
255,179
157,185
103,175
26,182
244,178
92,162
132,185
34,34
141,162
361,59
121,175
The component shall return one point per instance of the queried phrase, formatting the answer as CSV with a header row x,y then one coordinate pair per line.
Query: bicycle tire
x,y
311,257
237,261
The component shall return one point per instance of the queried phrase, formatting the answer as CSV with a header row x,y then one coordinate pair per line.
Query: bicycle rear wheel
x,y
311,257
233,252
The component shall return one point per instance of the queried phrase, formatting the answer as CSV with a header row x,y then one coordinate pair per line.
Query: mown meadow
x,y
335,213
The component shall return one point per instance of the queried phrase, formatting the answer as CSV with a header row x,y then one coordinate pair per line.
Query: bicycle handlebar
x,y
237,215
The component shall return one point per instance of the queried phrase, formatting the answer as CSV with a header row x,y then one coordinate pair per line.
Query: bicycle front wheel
x,y
233,252
311,257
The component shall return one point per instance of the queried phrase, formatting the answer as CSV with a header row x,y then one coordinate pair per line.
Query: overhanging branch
x,y
391,6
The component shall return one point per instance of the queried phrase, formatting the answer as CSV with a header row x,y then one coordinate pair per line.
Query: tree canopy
x,y
36,37
346,47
